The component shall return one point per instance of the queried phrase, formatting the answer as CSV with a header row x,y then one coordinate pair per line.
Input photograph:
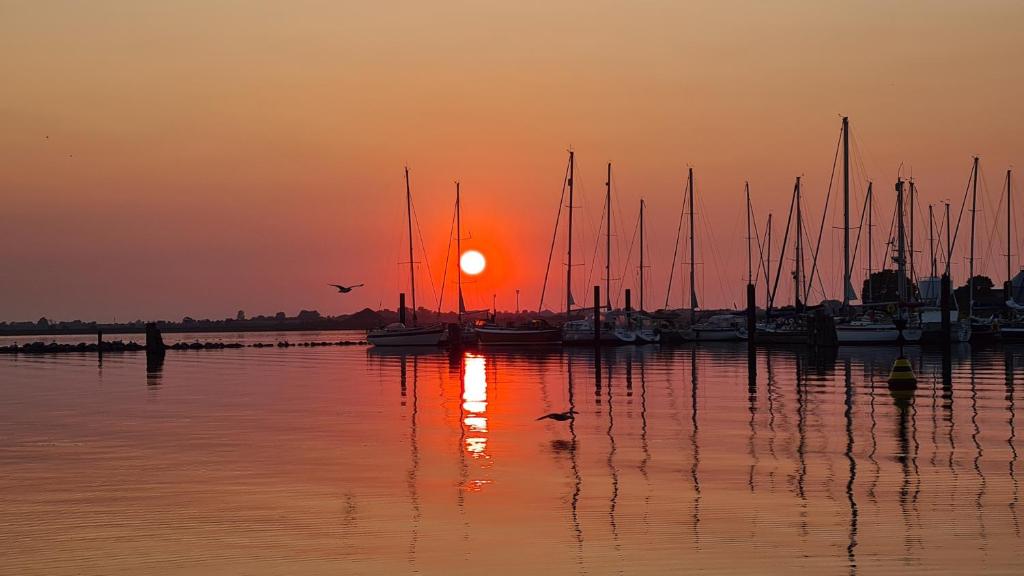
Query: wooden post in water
x,y
597,315
944,289
629,300
99,341
401,307
751,314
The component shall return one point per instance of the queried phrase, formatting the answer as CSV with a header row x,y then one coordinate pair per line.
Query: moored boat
x,y
398,334
534,332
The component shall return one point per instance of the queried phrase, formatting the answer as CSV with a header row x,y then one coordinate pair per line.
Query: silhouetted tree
x,y
982,292
884,286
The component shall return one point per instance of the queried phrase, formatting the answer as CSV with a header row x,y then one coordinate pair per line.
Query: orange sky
x,y
204,157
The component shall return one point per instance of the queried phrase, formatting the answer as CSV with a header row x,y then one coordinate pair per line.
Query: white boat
x,y
719,328
931,326
398,334
582,332
874,332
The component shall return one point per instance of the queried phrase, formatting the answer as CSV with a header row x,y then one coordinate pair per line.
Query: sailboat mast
x,y
608,240
750,272
931,240
974,212
641,255
846,212
871,210
949,243
412,266
458,243
693,293
1009,229
568,268
799,249
901,261
913,255
768,270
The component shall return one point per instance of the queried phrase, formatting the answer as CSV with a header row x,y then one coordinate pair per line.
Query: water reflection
x,y
419,462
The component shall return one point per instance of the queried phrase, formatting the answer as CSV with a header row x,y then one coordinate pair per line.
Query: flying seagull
x,y
345,289
560,416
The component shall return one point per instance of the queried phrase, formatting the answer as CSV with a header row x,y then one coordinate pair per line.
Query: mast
x,y
641,255
458,243
974,211
693,293
412,267
608,240
871,209
750,273
913,255
949,243
568,269
901,258
799,249
846,212
931,241
1009,232
768,271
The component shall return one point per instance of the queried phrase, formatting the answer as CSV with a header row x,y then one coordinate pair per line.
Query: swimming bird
x,y
345,289
560,416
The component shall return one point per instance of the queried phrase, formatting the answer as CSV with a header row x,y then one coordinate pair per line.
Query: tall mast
x,y
871,209
750,273
846,212
931,240
1009,230
901,257
693,293
799,249
768,270
412,266
568,269
458,243
974,207
641,254
913,255
608,240
949,243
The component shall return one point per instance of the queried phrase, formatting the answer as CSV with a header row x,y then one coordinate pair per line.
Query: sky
x,y
191,158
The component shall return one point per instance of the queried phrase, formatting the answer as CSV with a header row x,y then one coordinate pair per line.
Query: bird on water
x,y
345,289
560,416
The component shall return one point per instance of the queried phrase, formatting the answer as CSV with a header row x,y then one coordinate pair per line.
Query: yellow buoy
x,y
902,374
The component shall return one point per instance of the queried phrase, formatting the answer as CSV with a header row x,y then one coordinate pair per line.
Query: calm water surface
x,y
354,461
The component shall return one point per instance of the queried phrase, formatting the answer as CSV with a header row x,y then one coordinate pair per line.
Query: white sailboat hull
x,y
875,334
406,337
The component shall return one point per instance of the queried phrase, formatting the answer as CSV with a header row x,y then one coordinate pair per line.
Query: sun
x,y
472,262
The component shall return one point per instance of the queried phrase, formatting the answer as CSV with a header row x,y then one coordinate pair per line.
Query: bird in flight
x,y
560,416
345,289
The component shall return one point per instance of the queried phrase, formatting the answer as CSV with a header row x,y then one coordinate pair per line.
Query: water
x,y
353,461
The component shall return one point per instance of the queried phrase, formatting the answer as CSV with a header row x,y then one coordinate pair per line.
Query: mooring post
x,y
751,314
99,341
597,315
401,307
944,289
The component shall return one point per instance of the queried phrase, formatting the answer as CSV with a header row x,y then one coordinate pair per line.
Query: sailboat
x,y
398,333
788,328
873,330
613,327
1013,326
931,295
642,324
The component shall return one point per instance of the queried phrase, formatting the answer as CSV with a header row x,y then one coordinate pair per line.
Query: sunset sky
x,y
196,158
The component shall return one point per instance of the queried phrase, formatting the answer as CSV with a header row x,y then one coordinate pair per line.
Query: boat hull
x,y
875,334
409,337
512,337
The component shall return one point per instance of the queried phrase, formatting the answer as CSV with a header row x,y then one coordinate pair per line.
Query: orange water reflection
x,y
474,404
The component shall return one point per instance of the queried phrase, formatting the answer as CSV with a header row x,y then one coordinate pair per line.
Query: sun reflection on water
x,y
474,402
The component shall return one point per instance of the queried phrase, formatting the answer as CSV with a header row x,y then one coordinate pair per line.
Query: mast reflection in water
x,y
349,460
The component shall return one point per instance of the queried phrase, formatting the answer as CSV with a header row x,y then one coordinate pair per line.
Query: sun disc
x,y
472,262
